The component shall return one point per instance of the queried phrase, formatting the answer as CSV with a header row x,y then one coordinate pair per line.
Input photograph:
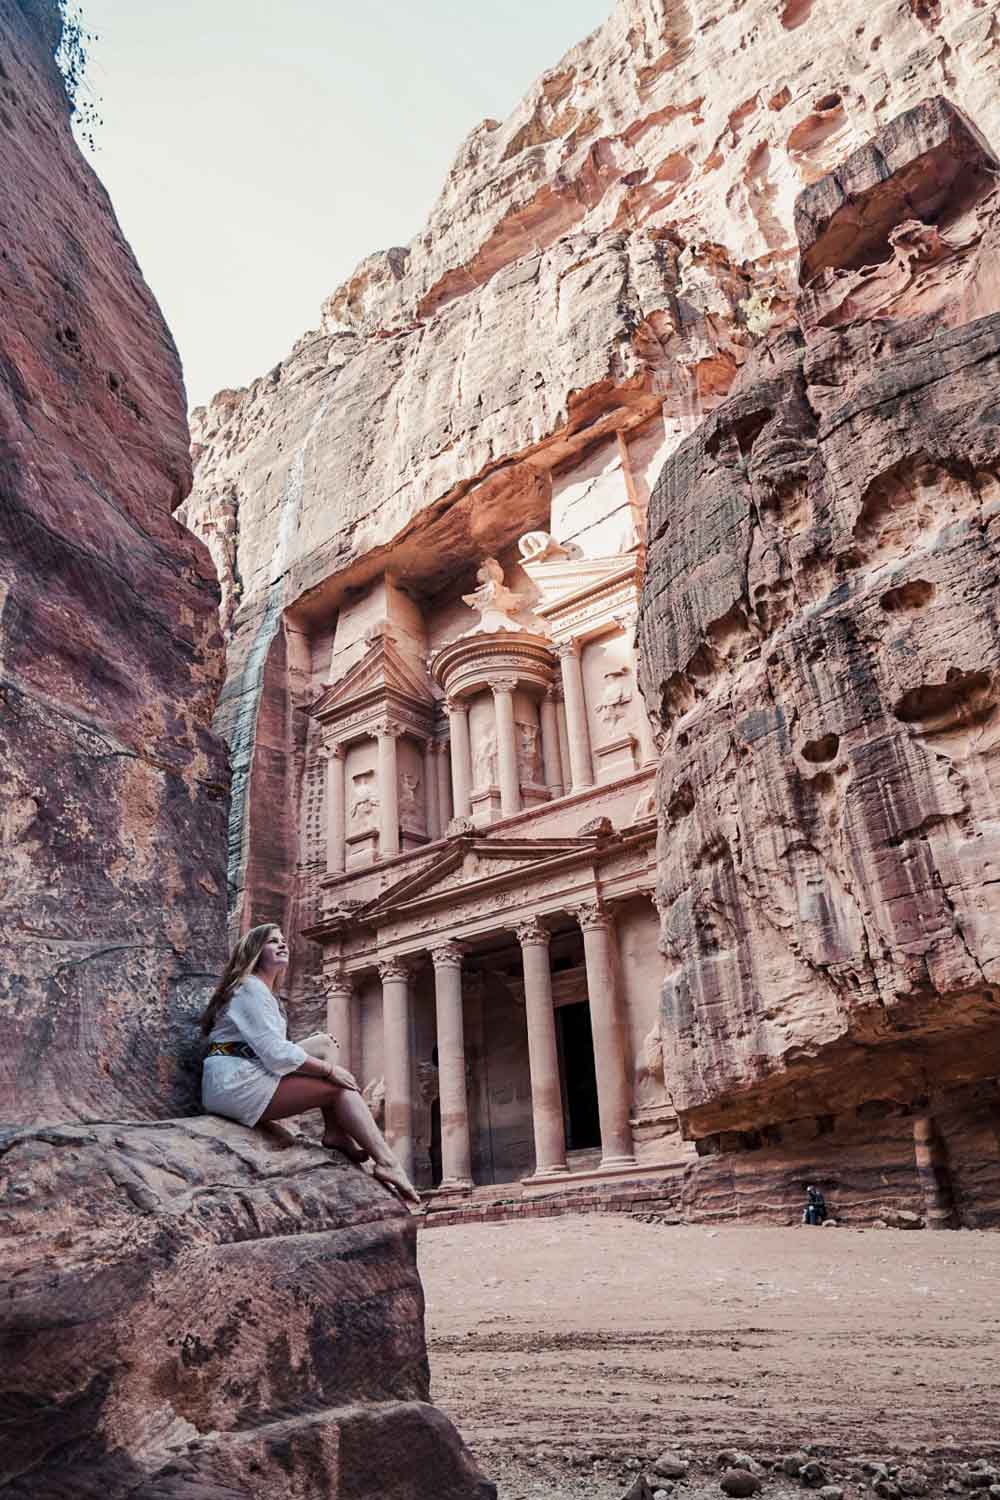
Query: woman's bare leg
x,y
327,1049
347,1112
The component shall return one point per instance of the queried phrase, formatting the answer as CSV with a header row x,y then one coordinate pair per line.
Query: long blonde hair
x,y
242,962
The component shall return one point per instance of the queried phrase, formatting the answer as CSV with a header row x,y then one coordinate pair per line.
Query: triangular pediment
x,y
561,579
471,860
381,672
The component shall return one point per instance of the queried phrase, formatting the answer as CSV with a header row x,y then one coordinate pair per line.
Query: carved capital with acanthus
x,y
567,649
592,916
456,705
389,728
532,933
393,968
339,982
554,693
502,684
333,750
447,955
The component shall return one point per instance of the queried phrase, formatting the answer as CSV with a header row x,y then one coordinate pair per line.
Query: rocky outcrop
x,y
595,270
112,816
189,1310
819,632
195,1312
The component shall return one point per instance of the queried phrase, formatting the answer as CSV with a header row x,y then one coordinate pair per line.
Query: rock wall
x,y
114,803
190,1309
597,266
820,634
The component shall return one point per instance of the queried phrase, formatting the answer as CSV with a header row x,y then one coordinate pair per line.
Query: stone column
x,y
456,1147
609,1039
567,775
339,1003
336,828
934,1173
550,743
388,792
543,1053
395,978
432,811
444,783
510,781
461,757
581,764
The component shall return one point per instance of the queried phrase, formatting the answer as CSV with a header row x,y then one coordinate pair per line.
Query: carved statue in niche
x,y
493,600
409,786
485,763
364,800
617,695
529,756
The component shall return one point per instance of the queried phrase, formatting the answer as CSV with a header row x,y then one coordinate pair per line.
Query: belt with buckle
x,y
231,1049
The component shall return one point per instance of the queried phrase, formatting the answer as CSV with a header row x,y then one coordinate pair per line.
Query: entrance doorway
x,y
576,1052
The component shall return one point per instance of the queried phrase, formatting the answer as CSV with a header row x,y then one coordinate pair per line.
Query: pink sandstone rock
x,y
113,809
819,630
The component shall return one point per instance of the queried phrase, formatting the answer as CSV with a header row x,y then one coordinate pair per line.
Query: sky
x,y
256,152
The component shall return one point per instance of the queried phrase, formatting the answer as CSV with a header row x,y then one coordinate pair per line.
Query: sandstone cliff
x,y
189,1309
599,264
819,632
112,820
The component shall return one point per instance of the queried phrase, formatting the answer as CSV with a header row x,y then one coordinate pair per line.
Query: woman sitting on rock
x,y
254,1074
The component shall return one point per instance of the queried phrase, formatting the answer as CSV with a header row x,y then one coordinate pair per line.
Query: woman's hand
x,y
342,1078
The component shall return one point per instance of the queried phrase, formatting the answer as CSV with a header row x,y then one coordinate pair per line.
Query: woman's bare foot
x,y
338,1140
392,1174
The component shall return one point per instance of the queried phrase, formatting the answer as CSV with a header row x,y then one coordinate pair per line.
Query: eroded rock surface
x,y
192,1311
113,807
595,270
819,629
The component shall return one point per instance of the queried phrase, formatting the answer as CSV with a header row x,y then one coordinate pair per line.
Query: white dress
x,y
239,1087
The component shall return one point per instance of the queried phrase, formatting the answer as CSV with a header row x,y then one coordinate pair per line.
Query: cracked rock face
x,y
820,631
200,1314
601,261
112,813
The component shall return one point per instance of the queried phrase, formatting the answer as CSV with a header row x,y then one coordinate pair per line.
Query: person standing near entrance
x,y
254,1074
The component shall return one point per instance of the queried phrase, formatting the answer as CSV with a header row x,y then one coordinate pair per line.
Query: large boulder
x,y
192,1309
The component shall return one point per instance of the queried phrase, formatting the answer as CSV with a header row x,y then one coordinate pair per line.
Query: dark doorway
x,y
576,1047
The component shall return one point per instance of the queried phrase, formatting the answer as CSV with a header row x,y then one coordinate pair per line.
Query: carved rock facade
x,y
819,629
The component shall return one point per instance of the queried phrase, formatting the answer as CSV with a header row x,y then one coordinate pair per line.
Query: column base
x,y
455,1185
546,1174
617,1163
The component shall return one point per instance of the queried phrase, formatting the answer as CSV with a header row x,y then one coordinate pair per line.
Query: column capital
x,y
393,968
554,692
390,729
567,649
338,982
531,931
456,705
592,916
447,955
502,684
333,750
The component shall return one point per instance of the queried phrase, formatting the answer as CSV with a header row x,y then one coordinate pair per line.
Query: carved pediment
x,y
580,594
383,675
470,862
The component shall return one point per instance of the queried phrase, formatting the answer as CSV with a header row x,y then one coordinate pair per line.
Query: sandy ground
x,y
571,1351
